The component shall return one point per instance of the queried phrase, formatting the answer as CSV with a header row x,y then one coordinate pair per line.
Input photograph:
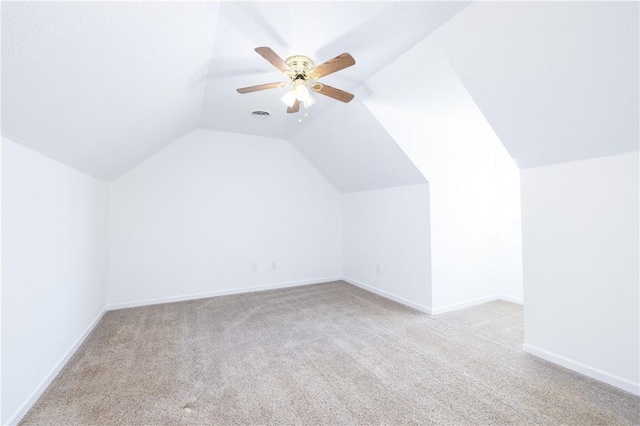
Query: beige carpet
x,y
321,354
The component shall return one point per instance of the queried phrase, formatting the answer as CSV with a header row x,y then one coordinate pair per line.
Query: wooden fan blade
x,y
294,108
332,65
261,87
273,58
332,92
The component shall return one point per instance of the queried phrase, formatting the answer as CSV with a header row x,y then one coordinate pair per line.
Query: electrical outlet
x,y
274,265
377,268
254,267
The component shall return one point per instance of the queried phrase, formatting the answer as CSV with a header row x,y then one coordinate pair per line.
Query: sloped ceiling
x,y
374,33
358,154
100,86
558,81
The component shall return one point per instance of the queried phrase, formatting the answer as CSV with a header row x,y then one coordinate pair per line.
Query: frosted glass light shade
x,y
309,101
289,98
301,91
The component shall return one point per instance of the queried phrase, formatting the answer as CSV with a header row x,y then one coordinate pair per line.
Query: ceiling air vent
x,y
260,114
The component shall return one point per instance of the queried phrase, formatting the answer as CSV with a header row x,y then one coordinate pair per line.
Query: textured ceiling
x,y
558,81
374,33
356,155
101,86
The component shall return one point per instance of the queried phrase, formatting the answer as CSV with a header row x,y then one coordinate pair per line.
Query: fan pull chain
x,y
305,117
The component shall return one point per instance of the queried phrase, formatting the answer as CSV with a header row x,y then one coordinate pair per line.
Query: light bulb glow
x,y
289,98
301,92
309,101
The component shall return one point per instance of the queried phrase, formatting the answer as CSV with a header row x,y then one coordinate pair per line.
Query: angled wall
x,y
474,184
558,81
196,219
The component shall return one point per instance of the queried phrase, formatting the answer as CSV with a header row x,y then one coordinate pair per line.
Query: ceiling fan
x,y
302,73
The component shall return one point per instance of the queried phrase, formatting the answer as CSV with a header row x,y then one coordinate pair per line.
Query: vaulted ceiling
x,y
101,86
374,33
558,81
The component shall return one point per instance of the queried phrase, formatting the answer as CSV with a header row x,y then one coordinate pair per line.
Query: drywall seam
x,y
388,295
193,296
39,390
583,369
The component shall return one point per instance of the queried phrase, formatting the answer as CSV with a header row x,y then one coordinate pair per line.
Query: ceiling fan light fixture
x,y
309,101
299,70
300,90
289,98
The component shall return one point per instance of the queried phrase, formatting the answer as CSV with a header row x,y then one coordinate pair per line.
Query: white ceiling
x,y
101,86
354,152
558,81
374,33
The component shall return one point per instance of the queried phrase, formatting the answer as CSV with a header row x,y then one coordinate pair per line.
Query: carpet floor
x,y
320,354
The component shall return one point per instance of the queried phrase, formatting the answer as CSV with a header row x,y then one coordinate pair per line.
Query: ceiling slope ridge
x,y
366,30
195,127
206,68
206,137
185,136
8,139
432,113
362,91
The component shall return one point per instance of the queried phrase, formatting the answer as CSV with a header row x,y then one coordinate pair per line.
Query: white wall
x,y
387,242
581,266
474,184
54,222
193,219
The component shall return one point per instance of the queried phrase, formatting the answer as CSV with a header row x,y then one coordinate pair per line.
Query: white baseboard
x,y
28,403
24,408
584,369
464,304
432,310
473,302
510,299
194,296
388,295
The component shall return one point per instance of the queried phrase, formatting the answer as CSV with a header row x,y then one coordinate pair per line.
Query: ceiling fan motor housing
x,y
301,65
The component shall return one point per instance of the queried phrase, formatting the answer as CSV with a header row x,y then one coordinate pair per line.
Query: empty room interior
x,y
333,212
